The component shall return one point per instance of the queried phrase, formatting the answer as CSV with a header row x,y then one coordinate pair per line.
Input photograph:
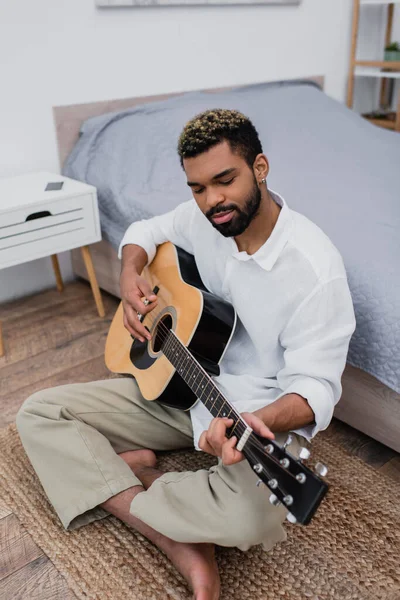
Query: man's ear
x,y
261,167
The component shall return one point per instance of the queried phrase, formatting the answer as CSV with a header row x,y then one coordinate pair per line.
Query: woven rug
x,y
351,549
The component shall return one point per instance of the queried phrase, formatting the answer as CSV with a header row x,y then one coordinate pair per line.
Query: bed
x,y
328,163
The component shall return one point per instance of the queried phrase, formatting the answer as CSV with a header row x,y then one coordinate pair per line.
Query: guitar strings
x,y
240,422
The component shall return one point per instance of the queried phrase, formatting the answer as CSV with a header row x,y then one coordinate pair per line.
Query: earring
x,y
263,180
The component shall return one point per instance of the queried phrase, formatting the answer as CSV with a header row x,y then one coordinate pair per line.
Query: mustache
x,y
220,209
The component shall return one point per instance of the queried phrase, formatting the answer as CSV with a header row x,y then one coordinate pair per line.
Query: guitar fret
x,y
188,373
234,427
203,388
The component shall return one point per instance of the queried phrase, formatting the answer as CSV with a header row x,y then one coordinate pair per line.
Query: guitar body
x,y
203,323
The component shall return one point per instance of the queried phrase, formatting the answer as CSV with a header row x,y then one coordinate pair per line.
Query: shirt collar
x,y
267,255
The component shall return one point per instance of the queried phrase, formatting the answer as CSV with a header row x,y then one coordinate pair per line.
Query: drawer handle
x,y
38,215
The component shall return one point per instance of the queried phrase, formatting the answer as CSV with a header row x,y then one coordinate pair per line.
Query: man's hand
x,y
133,289
214,440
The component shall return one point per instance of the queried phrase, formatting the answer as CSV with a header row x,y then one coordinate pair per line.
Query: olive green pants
x,y
72,435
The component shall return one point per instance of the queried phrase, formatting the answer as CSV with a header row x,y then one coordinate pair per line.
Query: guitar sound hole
x,y
161,332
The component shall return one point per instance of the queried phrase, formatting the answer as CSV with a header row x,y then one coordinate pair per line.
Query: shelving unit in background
x,y
385,70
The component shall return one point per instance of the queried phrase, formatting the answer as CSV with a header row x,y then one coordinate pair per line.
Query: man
x,y
93,444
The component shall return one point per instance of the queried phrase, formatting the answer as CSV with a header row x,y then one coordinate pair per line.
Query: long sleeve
x,y
315,342
174,226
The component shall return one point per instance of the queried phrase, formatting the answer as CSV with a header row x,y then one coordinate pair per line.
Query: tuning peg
x,y
288,441
321,469
291,518
304,453
259,482
274,500
258,467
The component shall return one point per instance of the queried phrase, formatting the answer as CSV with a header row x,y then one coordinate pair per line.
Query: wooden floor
x,y
54,338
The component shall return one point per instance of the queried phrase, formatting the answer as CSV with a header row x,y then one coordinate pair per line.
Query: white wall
x,y
56,52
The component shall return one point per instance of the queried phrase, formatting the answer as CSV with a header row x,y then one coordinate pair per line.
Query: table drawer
x,y
36,214
47,228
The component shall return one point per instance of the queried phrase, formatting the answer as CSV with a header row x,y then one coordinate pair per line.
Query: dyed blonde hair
x,y
214,126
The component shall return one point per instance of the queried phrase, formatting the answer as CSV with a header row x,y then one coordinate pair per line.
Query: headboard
x,y
68,119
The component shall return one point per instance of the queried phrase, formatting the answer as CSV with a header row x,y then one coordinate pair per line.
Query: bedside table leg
x,y
93,280
1,341
57,272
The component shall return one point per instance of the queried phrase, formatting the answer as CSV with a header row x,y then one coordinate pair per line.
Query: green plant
x,y
393,47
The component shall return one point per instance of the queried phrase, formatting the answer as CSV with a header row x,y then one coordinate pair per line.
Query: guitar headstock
x,y
291,482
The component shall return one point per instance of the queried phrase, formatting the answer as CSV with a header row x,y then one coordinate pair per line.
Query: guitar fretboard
x,y
200,382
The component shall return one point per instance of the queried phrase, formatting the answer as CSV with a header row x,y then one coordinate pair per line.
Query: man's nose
x,y
214,197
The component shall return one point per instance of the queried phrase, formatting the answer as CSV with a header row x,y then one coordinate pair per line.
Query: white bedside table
x,y
35,223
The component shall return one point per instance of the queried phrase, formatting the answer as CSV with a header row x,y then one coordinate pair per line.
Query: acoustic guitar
x,y
191,329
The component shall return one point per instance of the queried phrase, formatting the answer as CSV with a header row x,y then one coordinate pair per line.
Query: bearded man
x,y
93,445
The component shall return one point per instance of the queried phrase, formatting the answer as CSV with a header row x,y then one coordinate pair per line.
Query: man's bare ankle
x,y
122,500
148,475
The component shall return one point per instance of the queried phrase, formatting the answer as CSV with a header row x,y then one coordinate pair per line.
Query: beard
x,y
242,217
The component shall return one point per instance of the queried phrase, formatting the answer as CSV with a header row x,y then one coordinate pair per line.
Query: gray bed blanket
x,y
328,163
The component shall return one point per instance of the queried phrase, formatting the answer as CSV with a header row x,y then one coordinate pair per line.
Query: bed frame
x,y
366,403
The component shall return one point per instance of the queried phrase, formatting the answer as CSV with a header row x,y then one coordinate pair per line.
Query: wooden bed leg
x,y
57,272
1,341
93,280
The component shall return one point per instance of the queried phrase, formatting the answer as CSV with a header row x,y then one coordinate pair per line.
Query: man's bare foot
x,y
197,564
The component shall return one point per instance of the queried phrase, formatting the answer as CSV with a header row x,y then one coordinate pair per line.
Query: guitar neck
x,y
199,381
